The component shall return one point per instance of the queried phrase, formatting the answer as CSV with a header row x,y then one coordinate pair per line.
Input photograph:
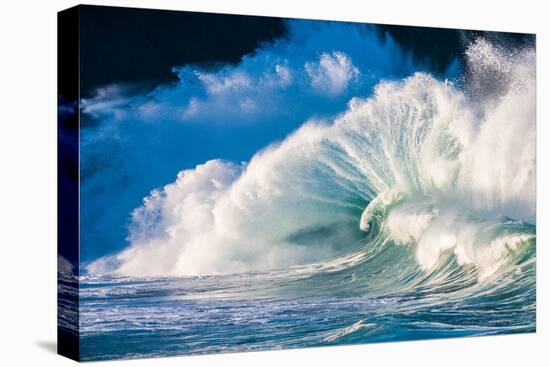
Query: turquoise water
x,y
345,302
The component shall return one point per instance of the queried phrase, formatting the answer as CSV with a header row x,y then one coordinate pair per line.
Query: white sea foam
x,y
64,266
431,230
436,165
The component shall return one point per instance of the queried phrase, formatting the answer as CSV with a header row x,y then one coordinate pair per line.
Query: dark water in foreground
x,y
344,303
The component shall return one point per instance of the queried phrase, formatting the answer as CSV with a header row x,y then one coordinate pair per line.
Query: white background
x,y
28,182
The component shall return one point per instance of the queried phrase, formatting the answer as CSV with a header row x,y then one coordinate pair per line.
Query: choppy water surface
x,y
343,303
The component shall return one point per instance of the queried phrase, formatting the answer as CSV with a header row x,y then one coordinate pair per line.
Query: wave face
x,y
421,164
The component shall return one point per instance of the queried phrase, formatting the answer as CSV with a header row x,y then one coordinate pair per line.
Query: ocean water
x,y
409,216
352,300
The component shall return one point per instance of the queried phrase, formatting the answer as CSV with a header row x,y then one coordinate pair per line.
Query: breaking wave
x,y
422,181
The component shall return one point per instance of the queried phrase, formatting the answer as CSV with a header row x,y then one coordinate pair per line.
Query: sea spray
x,y
308,198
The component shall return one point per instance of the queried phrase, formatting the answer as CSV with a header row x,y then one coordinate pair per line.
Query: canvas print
x,y
234,183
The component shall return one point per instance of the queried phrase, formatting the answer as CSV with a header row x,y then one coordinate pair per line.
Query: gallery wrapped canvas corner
x,y
232,183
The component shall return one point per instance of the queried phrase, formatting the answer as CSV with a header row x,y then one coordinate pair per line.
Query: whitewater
x,y
410,215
